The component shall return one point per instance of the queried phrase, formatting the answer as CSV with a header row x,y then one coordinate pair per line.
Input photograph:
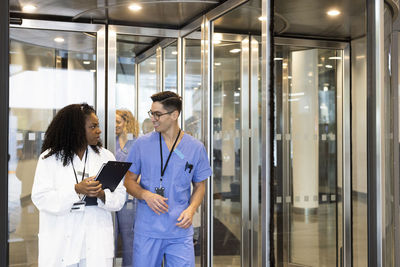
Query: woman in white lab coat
x,y
70,232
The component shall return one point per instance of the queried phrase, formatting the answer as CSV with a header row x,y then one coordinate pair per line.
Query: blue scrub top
x,y
145,158
122,154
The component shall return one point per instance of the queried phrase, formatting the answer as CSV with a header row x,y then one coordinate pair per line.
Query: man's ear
x,y
175,114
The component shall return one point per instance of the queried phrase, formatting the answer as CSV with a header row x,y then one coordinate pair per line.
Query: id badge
x,y
160,191
78,206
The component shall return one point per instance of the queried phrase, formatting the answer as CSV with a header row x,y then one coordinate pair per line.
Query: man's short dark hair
x,y
170,100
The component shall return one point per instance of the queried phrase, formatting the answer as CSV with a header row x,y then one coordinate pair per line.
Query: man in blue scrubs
x,y
168,161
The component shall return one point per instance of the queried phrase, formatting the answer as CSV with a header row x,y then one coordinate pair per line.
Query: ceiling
x,y
300,18
160,13
294,18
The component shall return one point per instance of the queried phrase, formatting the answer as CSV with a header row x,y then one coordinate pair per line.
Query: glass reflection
x,y
193,89
147,87
170,63
226,151
126,132
44,76
305,151
193,117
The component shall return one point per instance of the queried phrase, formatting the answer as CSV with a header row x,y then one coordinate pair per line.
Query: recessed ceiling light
x,y
278,58
234,51
59,39
217,63
135,7
262,18
338,58
328,66
174,52
333,12
29,8
152,71
92,70
86,62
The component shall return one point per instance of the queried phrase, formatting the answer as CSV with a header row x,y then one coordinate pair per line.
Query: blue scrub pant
x,y
125,219
149,252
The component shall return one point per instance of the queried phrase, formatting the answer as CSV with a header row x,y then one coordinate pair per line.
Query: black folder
x,y
109,175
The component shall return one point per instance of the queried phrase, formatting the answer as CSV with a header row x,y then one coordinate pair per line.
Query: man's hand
x,y
186,218
90,188
156,202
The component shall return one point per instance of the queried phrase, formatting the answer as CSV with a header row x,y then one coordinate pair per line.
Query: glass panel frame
x,y
343,135
25,141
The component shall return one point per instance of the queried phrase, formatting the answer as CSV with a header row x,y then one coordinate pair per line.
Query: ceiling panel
x,y
300,18
162,13
73,41
292,17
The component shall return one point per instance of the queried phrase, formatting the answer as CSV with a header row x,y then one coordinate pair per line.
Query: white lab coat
x,y
66,237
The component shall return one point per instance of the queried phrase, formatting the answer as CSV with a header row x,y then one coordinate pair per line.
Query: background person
x,y
126,130
147,126
70,233
168,161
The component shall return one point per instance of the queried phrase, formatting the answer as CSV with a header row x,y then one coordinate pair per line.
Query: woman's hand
x,y
90,188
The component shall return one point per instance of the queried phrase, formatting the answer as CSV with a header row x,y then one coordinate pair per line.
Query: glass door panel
x,y
192,125
48,70
147,87
170,63
126,132
308,180
227,208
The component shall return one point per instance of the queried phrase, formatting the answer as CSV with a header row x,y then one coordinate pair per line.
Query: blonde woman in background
x,y
126,130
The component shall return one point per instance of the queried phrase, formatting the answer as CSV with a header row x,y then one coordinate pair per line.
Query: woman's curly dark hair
x,y
66,134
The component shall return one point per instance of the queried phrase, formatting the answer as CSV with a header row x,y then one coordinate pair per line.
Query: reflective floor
x,y
307,247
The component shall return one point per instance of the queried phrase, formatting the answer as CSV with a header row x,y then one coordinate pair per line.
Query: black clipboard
x,y
109,175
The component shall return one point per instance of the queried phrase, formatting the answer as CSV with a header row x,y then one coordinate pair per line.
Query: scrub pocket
x,y
183,180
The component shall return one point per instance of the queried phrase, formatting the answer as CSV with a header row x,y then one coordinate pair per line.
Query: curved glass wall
x,y
48,70
227,209
307,157
359,152
170,63
147,81
388,164
193,110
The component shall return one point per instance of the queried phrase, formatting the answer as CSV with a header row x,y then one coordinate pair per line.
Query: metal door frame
x,y
4,96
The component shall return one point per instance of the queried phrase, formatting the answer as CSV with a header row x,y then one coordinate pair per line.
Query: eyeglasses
x,y
157,115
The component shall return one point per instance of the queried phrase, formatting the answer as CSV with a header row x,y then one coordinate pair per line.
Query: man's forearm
x,y
134,189
197,195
